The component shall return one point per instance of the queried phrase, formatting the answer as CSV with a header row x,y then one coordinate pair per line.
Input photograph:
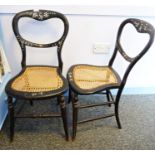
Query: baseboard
x,y
134,91
138,90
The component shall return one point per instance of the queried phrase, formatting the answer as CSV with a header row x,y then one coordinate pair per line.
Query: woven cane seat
x,y
38,79
87,77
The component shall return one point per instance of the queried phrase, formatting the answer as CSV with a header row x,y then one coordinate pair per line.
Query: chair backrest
x,y
141,27
40,15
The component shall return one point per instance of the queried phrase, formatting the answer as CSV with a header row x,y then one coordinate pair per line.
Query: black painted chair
x,y
38,82
89,79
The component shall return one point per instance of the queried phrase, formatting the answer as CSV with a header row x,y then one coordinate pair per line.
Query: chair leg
x,y
75,114
31,102
11,117
117,108
117,116
64,115
108,97
69,96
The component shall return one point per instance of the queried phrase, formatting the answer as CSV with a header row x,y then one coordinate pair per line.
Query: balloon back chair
x,y
89,79
37,82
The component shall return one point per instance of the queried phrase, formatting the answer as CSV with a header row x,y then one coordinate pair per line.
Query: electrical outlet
x,y
101,48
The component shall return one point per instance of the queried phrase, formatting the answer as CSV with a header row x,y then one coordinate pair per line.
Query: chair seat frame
x,y
37,95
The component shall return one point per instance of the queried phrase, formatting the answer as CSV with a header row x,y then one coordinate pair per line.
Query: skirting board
x,y
134,91
138,90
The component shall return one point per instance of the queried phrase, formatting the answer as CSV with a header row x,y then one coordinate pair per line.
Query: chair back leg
x,y
69,96
117,107
108,97
31,102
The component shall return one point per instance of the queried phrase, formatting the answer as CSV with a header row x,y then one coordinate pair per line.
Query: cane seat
x,y
38,79
88,78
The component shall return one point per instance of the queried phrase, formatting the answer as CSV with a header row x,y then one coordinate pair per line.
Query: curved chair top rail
x,y
40,15
142,27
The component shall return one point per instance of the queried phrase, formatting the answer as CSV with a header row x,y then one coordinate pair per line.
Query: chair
x,y
38,82
88,79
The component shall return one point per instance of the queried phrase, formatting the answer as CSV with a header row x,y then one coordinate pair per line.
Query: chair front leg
x,y
61,101
11,117
75,113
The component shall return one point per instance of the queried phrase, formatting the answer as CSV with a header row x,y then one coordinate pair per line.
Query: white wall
x,y
88,25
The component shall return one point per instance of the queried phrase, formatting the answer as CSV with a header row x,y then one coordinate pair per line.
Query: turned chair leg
x,y
75,114
11,117
61,100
